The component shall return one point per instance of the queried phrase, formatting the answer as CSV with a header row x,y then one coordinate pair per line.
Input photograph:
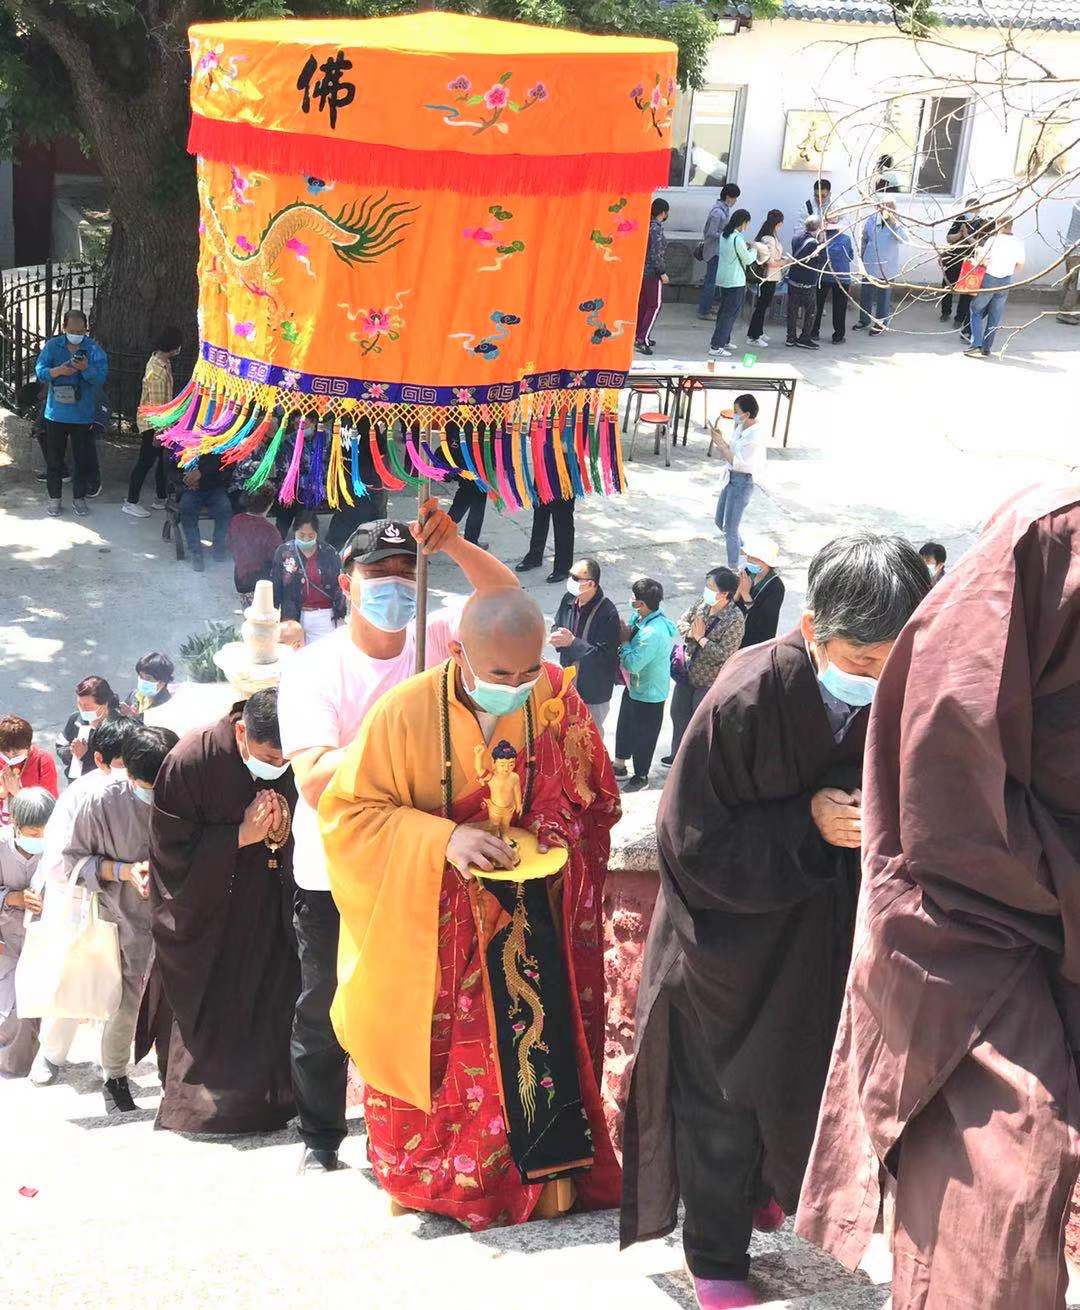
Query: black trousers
x,y
83,454
637,731
765,293
560,513
684,701
963,303
718,1151
801,308
469,503
839,295
319,1065
151,456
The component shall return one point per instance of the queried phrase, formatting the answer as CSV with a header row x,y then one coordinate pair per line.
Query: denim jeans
x,y
986,311
708,286
217,504
875,303
731,302
729,511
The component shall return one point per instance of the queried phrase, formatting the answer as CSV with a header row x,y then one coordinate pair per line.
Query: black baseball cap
x,y
372,542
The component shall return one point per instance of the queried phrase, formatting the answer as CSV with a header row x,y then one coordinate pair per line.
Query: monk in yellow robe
x,y
473,1007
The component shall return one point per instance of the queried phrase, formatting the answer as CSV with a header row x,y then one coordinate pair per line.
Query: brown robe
x,y
226,954
753,925
953,1079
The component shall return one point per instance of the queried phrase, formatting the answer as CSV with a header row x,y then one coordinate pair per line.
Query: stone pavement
x,y
123,1212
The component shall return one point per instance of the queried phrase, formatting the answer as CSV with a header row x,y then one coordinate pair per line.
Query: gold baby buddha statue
x,y
503,802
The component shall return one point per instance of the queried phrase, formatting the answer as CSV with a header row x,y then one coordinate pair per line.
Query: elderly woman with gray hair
x,y
759,832
20,849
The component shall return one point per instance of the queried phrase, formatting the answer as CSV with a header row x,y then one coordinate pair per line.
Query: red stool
x,y
661,422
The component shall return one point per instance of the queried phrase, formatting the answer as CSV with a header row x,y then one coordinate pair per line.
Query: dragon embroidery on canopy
x,y
516,961
362,232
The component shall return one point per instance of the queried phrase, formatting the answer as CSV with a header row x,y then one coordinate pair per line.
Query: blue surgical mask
x,y
144,794
31,845
75,338
852,688
308,547
388,604
753,569
496,697
709,596
146,688
265,772
88,716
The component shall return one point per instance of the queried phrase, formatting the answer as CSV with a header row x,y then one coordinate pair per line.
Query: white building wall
x,y
798,65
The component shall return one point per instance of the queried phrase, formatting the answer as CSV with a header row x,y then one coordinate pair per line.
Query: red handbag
x,y
971,278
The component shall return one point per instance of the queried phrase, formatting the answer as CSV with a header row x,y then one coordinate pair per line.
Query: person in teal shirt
x,y
645,661
74,368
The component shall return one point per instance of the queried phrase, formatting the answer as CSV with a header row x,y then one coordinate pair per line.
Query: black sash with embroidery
x,y
534,1036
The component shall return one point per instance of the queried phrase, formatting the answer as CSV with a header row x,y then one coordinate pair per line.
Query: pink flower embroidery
x,y
299,248
637,92
242,243
464,395
474,1093
546,1082
497,97
656,98
464,1164
627,226
245,330
376,321
465,1005
460,84
519,1028
669,87
539,92
496,1125
483,236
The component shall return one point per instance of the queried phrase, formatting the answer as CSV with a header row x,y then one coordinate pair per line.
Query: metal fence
x,y
33,302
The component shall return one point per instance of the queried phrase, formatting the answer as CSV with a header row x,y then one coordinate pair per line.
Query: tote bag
x,y
971,278
69,967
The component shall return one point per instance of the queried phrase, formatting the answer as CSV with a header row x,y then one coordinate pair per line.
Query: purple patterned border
x,y
407,393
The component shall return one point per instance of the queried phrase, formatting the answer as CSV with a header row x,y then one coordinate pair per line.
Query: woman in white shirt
x,y
768,239
745,456
1003,257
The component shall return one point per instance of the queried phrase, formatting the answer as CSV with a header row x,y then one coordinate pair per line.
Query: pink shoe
x,y
723,1293
768,1218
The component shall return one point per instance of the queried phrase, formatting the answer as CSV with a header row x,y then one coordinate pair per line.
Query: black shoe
x,y
815,336
876,331
634,784
644,350
527,565
198,564
808,345
118,1096
93,491
791,343
838,341
859,326
668,761
558,575
313,1161
620,770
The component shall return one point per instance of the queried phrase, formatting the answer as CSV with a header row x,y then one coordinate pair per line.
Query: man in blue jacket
x,y
803,277
835,279
74,368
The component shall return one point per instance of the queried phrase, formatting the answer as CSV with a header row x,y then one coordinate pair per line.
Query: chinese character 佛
x,y
330,89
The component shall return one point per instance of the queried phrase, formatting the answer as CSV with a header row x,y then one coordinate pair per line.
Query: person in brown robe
x,y
221,895
744,969
953,1083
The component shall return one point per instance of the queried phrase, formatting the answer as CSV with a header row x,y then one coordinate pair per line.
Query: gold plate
x,y
533,863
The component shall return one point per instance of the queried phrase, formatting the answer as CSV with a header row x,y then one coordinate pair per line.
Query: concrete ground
x,y
899,432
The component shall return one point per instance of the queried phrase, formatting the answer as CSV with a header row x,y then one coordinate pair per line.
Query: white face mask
x,y
76,338
709,596
12,760
573,586
144,794
264,772
118,772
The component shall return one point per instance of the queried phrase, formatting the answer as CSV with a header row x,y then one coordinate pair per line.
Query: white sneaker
x,y
157,504
80,507
43,1072
136,511
757,341
54,509
720,352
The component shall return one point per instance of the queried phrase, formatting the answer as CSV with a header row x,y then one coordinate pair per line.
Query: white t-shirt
x,y
1002,253
748,449
326,690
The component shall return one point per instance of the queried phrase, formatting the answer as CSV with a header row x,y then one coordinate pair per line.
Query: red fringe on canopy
x,y
424,170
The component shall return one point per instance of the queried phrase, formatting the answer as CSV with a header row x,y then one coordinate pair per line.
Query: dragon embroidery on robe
x,y
516,963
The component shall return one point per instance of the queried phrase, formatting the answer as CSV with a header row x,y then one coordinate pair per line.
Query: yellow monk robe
x,y
424,1007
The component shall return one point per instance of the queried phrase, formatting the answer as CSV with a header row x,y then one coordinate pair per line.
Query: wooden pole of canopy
x,y
423,491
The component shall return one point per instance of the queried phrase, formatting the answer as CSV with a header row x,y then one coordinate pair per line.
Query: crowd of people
x,y
838,259
311,879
